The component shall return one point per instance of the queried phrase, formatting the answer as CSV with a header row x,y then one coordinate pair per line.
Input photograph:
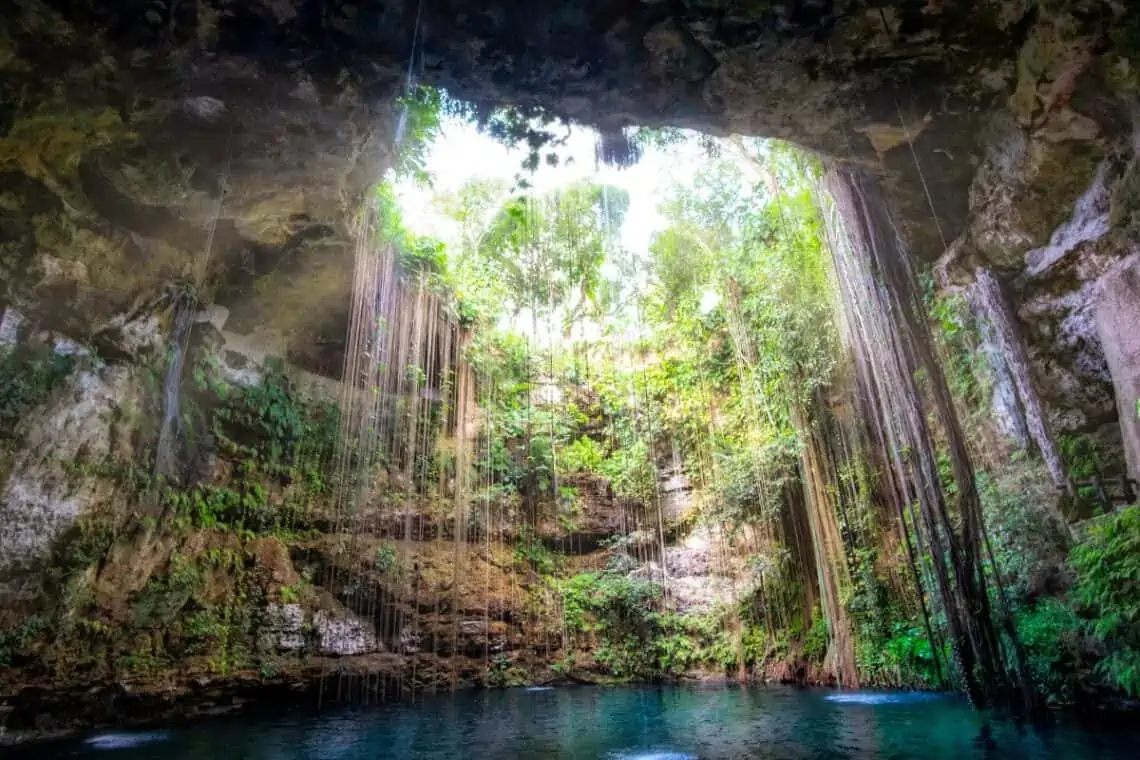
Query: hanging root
x,y
616,148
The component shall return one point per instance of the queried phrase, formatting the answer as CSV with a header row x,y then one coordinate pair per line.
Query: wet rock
x,y
11,322
676,53
55,271
410,641
1025,188
473,627
283,628
698,582
204,107
1088,222
134,335
341,636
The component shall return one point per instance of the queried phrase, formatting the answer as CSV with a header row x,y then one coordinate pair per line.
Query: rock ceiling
x,y
120,122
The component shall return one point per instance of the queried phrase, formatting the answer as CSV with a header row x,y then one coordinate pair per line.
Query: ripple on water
x,y
540,688
125,740
872,698
651,754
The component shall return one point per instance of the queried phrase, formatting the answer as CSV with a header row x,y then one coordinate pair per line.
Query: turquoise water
x,y
635,723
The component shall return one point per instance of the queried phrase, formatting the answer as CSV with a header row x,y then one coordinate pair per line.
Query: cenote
x,y
488,376
621,723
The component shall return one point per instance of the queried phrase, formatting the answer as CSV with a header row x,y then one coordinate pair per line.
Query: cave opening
x,y
575,283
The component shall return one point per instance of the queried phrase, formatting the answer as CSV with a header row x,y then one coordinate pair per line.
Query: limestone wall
x,y
1118,324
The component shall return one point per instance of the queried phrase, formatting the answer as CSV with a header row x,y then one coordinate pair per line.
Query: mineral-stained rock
x,y
84,422
282,628
342,636
410,641
696,582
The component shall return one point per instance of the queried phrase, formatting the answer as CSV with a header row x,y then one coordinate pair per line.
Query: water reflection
x,y
881,698
125,740
648,723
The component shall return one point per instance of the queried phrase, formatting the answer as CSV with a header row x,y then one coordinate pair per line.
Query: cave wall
x,y
119,601
144,145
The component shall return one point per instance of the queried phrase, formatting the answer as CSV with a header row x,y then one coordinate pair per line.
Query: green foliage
x,y
815,642
631,473
619,612
268,671
607,601
957,340
183,614
163,598
1029,543
416,255
659,137
269,418
532,554
1081,456
532,127
583,455
422,109
1050,632
503,673
273,433
546,253
1107,590
386,561
692,640
15,642
904,658
1083,462
246,507
28,375
620,620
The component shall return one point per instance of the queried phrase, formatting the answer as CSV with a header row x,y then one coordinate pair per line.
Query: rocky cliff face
x,y
130,597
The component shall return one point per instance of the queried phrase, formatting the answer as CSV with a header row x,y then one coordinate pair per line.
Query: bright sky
x,y
461,153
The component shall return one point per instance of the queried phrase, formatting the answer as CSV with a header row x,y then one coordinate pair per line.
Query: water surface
x,y
635,723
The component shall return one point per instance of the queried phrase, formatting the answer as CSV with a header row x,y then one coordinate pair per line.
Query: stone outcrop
x,y
1118,325
89,419
344,636
282,628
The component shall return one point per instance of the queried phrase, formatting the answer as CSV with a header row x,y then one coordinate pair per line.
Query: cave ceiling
x,y
120,122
